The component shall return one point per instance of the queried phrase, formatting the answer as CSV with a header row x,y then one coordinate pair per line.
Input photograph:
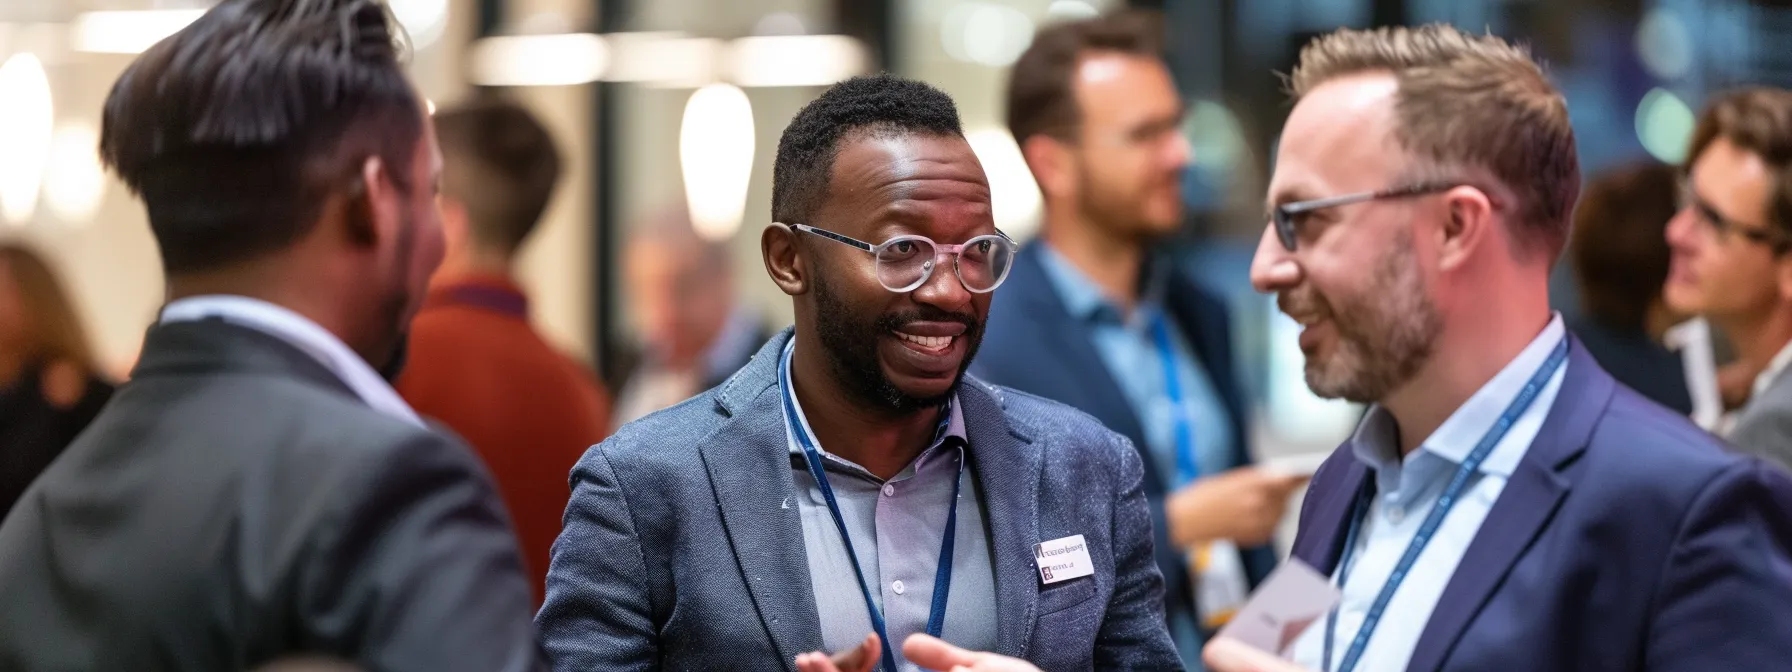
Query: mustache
x,y
1302,301
897,320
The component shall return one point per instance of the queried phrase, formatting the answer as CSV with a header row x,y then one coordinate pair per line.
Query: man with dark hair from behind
x,y
258,491
1620,258
475,363
851,487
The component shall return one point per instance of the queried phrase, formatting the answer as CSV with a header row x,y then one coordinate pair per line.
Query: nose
x,y
1273,268
943,289
1681,229
1179,154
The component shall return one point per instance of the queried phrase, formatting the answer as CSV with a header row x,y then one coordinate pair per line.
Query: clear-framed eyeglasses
x,y
905,262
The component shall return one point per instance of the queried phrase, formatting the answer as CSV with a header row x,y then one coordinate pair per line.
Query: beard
x,y
850,341
399,306
1385,334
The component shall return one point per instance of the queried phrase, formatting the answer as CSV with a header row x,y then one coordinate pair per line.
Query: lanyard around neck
x,y
942,579
1188,465
1447,500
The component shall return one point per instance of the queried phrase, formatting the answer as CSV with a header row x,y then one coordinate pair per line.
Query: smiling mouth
x,y
932,344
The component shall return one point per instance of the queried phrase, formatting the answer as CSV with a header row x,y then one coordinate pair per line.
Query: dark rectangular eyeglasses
x,y
1288,230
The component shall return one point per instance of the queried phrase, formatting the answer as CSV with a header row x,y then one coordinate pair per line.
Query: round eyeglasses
x,y
906,262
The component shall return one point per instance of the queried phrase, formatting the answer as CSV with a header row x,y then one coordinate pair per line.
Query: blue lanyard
x,y
1188,468
942,577
1445,502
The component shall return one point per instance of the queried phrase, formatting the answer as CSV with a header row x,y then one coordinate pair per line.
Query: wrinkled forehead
x,y
907,174
1339,139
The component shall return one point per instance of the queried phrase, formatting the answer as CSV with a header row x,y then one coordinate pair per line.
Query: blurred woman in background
x,y
1620,259
50,386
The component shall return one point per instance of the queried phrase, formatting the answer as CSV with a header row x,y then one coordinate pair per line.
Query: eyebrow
x,y
1293,194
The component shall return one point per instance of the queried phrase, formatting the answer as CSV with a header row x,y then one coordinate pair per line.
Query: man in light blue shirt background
x,y
1089,318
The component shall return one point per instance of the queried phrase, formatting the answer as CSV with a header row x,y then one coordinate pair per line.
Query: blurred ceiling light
x,y
715,150
1013,194
423,20
1070,10
795,60
1663,44
538,60
27,118
429,105
663,59
1664,125
127,32
986,33
75,182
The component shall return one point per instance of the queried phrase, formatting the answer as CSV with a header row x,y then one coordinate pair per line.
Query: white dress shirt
x,y
1406,490
299,332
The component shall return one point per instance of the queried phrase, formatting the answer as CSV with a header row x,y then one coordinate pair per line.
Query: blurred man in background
x,y
475,362
1620,260
1504,498
694,332
1730,252
1093,319
258,491
51,386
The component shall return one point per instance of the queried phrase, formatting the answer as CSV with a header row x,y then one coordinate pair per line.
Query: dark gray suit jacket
x,y
679,554
236,503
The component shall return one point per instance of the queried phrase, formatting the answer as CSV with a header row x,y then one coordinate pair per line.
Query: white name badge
x,y
1063,559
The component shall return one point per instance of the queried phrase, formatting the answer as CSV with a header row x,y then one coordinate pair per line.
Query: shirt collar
x,y
302,333
1376,442
951,424
1083,298
1775,367
487,291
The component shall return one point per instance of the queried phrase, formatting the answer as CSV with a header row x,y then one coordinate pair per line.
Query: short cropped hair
x,y
1620,250
1757,120
237,129
876,104
1468,102
1041,98
502,164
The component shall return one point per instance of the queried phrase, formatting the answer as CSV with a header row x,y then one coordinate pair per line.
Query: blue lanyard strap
x,y
1433,520
1187,466
942,578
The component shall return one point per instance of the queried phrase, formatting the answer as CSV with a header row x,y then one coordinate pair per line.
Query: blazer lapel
x,y
1530,498
749,468
1320,539
1007,469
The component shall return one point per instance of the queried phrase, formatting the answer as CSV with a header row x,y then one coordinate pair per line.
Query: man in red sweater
x,y
474,362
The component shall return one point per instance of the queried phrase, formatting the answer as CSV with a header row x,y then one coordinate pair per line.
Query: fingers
x,y
1225,654
862,658
934,654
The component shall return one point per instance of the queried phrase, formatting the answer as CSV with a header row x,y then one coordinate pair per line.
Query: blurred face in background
x,y
681,292
1728,262
1357,282
1129,153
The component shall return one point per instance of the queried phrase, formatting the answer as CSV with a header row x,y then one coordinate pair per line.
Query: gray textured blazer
x,y
678,553
235,504
1765,425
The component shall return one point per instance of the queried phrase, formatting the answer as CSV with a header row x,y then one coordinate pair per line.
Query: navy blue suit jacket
x,y
1031,343
1626,539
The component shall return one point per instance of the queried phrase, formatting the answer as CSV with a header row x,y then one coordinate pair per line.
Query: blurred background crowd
x,y
657,124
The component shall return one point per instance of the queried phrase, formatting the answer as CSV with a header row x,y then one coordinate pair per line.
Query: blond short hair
x,y
1471,103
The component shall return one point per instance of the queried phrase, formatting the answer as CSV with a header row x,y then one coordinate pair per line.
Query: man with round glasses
x,y
851,487
1505,504
1730,247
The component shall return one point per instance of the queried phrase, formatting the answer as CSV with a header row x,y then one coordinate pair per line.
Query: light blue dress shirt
x,y
1406,490
896,528
1131,355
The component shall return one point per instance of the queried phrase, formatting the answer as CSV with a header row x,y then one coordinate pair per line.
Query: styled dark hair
x,y
237,129
501,163
1040,97
877,104
1758,120
1619,247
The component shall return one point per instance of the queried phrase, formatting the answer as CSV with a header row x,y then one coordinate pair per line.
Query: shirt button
x,y
1396,514
898,587
890,491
